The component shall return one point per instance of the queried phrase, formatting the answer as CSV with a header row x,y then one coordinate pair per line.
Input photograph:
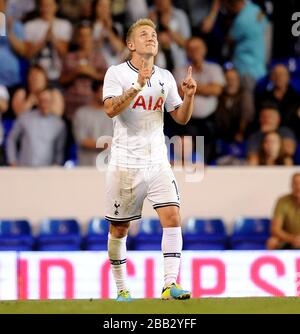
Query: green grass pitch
x,y
155,306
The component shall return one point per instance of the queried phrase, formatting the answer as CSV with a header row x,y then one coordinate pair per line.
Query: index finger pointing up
x,y
190,71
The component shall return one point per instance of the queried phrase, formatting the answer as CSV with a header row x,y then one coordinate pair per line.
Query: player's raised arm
x,y
183,114
115,105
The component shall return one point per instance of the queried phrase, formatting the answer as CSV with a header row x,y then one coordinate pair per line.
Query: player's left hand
x,y
189,85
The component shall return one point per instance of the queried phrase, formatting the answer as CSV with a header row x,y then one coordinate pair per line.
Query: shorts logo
x,y
117,205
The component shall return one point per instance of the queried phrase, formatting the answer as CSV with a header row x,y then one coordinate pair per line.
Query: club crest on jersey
x,y
162,87
148,103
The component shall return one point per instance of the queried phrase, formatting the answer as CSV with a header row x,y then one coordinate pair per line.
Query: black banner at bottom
x,y
139,322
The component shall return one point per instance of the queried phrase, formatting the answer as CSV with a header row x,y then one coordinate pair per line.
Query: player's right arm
x,y
114,105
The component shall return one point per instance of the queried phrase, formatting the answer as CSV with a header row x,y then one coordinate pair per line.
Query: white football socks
x,y
171,245
117,256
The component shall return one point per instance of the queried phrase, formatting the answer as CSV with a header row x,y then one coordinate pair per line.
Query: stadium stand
x,y
204,234
250,233
148,236
15,235
59,235
96,237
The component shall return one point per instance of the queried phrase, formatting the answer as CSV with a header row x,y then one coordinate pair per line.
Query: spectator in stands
x,y
210,82
235,109
108,35
41,136
248,36
182,152
26,98
282,93
19,9
80,69
285,227
269,119
165,56
136,9
271,152
4,100
89,123
75,10
175,22
12,48
48,39
203,14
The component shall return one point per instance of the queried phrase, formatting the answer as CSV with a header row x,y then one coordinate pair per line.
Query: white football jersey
x,y
138,140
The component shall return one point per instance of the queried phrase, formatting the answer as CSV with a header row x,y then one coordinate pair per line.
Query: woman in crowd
x,y
271,152
26,98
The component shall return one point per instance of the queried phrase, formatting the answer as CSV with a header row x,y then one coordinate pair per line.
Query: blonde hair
x,y
139,23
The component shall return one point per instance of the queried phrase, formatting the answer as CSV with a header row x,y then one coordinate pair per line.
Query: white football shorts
x,y
127,188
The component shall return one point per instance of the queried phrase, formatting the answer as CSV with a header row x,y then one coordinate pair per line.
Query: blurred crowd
x,y
245,60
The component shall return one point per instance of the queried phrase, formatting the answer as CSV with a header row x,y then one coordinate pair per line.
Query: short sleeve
x,y
111,86
173,100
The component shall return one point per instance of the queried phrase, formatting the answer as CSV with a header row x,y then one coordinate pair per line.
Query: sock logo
x,y
117,205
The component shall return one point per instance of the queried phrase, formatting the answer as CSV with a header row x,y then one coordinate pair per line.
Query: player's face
x,y
144,41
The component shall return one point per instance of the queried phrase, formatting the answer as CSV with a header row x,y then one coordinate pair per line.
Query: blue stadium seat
x,y
250,233
15,235
59,235
231,149
149,235
297,154
97,235
97,232
7,124
204,234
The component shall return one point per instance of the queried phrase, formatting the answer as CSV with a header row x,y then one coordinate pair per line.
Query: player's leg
x,y
171,247
117,255
125,194
164,196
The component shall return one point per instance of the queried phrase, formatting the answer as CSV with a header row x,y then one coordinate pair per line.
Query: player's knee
x,y
172,220
119,230
273,243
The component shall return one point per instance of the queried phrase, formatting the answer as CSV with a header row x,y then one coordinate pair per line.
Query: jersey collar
x,y
134,68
